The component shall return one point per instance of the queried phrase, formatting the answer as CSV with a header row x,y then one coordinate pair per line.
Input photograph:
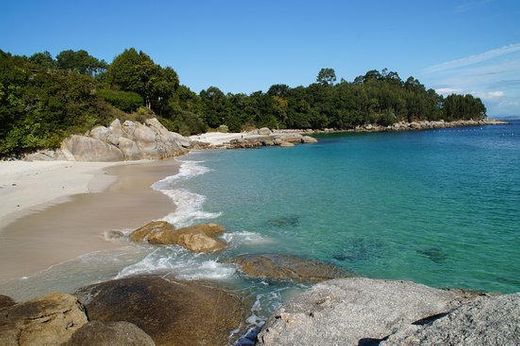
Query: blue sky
x,y
243,46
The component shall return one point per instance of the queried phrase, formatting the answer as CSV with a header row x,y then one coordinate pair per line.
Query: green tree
x,y
136,71
43,59
80,61
326,76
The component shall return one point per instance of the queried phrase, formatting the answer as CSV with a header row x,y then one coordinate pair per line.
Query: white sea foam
x,y
188,204
188,208
183,264
245,238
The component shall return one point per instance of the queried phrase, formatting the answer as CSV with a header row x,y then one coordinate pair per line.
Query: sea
x,y
439,207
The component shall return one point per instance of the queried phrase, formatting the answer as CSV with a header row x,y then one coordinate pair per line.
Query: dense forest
x,y
43,99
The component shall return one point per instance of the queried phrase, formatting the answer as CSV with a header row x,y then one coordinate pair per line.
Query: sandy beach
x,y
55,211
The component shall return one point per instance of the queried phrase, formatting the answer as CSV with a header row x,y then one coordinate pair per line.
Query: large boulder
x,y
264,131
110,334
100,132
171,312
284,267
485,321
49,320
197,238
143,136
91,149
175,140
355,311
129,148
6,302
309,140
155,232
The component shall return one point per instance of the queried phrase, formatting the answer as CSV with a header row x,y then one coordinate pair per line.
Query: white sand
x,y
219,138
26,185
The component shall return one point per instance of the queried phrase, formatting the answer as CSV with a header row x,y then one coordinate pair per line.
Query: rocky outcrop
x,y
284,267
257,138
127,141
356,311
49,320
110,334
416,125
197,238
484,321
171,312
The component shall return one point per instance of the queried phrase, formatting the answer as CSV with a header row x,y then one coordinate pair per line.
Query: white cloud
x,y
493,75
484,95
448,91
474,59
469,5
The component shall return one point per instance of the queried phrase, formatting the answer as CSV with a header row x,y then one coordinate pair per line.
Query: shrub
x,y
124,100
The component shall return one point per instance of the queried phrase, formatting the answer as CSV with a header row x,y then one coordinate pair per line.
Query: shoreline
x,y
110,196
403,126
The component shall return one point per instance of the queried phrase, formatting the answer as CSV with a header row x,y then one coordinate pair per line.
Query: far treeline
x,y
43,99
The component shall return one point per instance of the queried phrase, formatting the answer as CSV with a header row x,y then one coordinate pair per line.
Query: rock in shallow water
x,y
110,334
197,238
355,311
171,312
49,320
284,267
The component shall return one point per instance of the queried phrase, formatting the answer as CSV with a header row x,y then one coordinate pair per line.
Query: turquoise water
x,y
439,207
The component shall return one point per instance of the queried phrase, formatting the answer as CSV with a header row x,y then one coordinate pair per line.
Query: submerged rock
x,y
484,321
171,312
286,144
284,221
49,320
284,267
355,311
110,334
197,238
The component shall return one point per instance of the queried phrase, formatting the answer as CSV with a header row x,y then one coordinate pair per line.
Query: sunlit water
x,y
439,207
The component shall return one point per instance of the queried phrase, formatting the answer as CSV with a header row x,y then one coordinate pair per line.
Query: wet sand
x,y
54,233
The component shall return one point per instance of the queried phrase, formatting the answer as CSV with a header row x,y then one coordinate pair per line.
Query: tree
x,y
80,61
43,59
136,71
326,76
215,106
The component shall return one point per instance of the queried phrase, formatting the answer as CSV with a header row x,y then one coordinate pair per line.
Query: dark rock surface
x,y
171,312
110,334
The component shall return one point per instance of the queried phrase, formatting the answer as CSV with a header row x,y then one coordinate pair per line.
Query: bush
x,y
124,100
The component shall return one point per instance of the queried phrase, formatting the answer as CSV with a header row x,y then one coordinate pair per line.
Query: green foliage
x,y
43,100
43,60
135,71
463,107
41,106
326,76
81,62
124,100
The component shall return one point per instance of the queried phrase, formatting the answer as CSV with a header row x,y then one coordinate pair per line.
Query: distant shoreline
x,y
403,126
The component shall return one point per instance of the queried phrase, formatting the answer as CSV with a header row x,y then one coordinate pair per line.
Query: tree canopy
x,y
44,99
